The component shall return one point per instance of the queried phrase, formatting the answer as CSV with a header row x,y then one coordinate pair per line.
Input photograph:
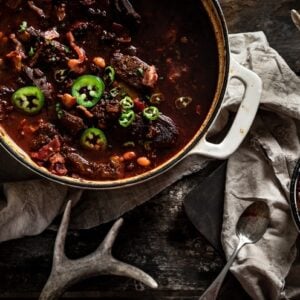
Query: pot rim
x,y
293,195
23,158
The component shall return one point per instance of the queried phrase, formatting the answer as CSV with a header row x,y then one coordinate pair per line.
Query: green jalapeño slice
x,y
29,100
151,113
88,90
109,75
126,103
127,118
93,139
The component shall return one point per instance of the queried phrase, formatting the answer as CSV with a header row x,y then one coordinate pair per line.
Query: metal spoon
x,y
296,18
250,228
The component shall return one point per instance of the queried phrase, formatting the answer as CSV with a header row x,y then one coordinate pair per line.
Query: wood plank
x,y
272,17
166,245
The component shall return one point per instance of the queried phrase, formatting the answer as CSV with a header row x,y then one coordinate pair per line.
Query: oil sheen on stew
x,y
105,89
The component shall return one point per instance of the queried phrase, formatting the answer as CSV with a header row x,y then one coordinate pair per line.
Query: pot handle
x,y
243,119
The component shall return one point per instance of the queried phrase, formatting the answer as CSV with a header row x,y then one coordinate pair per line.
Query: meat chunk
x,y
57,165
39,141
106,112
43,135
18,54
138,129
47,129
48,51
82,167
49,155
134,71
6,90
72,124
49,36
163,132
45,152
40,80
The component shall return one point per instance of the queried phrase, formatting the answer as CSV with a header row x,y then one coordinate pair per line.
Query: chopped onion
x,y
147,146
60,75
129,144
157,98
183,102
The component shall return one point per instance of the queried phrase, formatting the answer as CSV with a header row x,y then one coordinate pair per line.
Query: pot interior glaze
x,y
216,18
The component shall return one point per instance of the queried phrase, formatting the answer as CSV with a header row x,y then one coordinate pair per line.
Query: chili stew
x,y
105,89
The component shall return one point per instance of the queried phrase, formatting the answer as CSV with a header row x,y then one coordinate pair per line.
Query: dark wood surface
x,y
272,17
157,237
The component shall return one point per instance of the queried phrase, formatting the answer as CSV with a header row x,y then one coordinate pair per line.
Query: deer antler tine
x,y
66,272
110,238
122,269
59,248
296,18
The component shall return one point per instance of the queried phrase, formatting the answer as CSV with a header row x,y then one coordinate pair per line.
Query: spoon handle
x,y
213,290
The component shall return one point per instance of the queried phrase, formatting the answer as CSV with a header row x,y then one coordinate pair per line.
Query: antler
x,y
296,18
66,272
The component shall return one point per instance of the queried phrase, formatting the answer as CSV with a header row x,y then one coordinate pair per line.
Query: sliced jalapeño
x,y
29,100
88,90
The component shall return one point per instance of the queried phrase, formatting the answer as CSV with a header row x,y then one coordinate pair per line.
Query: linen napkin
x,y
29,207
261,170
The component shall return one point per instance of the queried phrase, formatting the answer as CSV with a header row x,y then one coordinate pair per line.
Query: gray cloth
x,y
29,207
261,170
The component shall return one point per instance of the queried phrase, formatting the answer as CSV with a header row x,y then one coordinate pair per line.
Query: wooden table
x,y
157,237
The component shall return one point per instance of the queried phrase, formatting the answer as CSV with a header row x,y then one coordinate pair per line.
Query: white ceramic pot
x,y
198,144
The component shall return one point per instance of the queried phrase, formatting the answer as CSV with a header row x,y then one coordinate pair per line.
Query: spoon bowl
x,y
253,222
251,226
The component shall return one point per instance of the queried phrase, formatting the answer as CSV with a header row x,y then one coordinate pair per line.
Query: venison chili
x,y
83,87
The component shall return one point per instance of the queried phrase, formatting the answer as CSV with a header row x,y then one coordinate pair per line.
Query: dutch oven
x,y
198,145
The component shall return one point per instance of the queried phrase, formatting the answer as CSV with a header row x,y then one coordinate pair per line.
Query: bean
x,y
99,62
116,160
68,100
130,155
144,161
